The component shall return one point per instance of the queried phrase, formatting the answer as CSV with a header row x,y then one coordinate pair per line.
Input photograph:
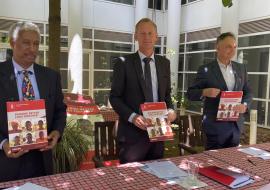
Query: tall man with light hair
x,y
44,84
138,78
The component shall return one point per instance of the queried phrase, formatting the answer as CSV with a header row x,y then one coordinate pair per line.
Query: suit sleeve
x,y
194,92
117,94
59,115
168,98
247,92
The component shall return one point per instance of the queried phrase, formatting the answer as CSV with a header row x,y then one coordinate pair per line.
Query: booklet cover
x,y
156,113
27,125
226,177
228,100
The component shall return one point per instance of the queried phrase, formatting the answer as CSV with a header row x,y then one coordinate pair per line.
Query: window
x,y
260,106
191,1
189,79
254,40
194,60
257,83
113,46
112,36
201,46
181,62
107,46
155,4
104,60
129,2
101,97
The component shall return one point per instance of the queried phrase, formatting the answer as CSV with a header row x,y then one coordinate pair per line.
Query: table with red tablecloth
x,y
109,115
130,176
251,164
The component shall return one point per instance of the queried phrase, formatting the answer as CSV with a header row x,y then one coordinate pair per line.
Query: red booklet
x,y
226,177
27,125
156,113
228,100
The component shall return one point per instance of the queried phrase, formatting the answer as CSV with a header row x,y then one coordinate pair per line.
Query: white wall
x,y
253,10
199,15
112,16
25,9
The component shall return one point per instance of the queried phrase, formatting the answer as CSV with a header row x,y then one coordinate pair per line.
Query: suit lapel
x,y
238,79
138,68
10,84
219,76
42,81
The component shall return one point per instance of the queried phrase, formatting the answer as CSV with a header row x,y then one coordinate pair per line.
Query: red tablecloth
x,y
109,115
239,159
125,177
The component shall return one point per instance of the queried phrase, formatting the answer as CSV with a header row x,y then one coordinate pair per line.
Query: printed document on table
x,y
28,186
256,152
166,170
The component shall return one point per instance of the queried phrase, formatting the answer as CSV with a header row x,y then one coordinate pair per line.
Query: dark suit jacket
x,y
49,86
210,76
128,92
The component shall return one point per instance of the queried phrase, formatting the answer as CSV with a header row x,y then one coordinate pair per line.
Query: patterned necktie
x,y
148,80
27,88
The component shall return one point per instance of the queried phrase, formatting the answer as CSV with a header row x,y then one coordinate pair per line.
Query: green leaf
x,y
227,3
71,150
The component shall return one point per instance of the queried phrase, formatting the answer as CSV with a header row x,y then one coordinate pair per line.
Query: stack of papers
x,y
165,170
169,171
256,152
28,186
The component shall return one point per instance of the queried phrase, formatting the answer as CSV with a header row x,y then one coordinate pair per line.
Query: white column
x,y
253,127
173,39
230,19
74,27
140,12
74,19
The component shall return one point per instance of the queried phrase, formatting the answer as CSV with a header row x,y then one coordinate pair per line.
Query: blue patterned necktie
x,y
27,88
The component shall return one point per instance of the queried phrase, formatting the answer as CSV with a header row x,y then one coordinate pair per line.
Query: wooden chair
x,y
106,148
191,137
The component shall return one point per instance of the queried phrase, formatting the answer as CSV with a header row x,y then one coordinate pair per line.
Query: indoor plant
x,y
71,150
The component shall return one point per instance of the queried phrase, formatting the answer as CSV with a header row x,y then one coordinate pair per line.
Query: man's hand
x,y
52,140
10,154
211,92
141,122
241,108
171,116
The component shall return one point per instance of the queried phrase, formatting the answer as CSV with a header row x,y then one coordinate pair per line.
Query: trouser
x,y
141,150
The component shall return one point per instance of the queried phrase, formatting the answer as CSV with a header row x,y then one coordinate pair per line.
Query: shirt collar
x,y
142,56
223,65
18,68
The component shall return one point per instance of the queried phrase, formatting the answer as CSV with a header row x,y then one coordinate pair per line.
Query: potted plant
x,y
71,150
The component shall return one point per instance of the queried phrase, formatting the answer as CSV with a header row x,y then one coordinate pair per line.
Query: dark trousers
x,y
227,135
141,150
28,165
